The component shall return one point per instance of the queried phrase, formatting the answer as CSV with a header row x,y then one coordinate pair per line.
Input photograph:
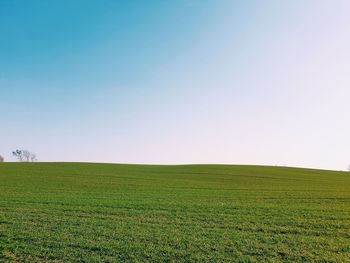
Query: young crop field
x,y
73,212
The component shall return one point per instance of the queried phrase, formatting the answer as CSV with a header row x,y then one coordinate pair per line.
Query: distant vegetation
x,y
24,156
55,212
2,159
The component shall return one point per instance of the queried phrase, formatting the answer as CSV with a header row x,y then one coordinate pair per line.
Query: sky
x,y
178,81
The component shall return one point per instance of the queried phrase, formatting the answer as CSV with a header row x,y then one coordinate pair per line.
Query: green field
x,y
66,212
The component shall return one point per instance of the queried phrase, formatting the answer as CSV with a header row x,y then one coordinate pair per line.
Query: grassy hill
x,y
63,212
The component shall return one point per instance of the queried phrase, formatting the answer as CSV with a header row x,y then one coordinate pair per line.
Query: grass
x,y
71,212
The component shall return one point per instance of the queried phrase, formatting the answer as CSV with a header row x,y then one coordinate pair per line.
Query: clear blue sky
x,y
182,81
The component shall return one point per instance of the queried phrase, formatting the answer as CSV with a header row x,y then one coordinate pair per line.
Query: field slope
x,y
73,212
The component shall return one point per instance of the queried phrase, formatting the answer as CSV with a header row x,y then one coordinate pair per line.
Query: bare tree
x,y
1,159
18,154
33,157
24,156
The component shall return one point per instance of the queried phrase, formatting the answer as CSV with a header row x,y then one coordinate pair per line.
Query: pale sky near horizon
x,y
179,81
